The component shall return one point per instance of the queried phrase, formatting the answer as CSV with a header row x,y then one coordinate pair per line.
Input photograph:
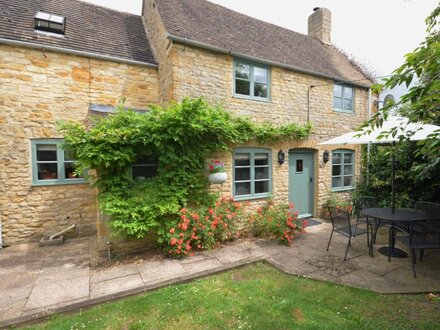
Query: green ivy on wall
x,y
181,137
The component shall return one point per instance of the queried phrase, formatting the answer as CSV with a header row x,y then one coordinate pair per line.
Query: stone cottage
x,y
66,59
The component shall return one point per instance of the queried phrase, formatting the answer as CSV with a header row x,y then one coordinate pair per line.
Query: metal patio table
x,y
394,217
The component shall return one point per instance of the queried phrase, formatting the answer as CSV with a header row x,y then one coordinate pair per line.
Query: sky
x,y
377,33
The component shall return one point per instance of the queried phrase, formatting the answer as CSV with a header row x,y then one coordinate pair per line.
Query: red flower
x,y
172,230
199,246
173,241
211,211
180,241
184,226
183,210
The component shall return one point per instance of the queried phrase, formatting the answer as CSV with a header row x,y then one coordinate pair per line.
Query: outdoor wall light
x,y
281,157
326,156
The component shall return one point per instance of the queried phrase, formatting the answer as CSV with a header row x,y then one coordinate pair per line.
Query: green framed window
x,y
144,168
52,165
251,80
252,173
343,98
342,170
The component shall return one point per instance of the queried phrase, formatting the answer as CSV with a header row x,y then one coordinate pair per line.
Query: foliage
x,y
422,102
256,297
278,221
334,201
180,137
216,166
409,186
201,229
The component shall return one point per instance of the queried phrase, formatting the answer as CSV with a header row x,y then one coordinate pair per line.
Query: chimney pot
x,y
320,25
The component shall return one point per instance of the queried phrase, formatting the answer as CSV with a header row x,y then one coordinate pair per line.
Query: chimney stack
x,y
320,25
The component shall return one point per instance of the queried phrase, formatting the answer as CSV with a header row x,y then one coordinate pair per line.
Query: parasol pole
x,y
393,191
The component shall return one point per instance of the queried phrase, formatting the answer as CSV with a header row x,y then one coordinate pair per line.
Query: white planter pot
x,y
217,178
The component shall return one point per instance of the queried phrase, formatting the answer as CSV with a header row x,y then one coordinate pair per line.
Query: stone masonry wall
x,y
198,72
37,89
162,50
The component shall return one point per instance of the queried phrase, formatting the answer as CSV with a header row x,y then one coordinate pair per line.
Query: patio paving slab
x,y
115,285
35,282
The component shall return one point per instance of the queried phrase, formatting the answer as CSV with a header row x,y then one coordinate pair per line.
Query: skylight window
x,y
49,22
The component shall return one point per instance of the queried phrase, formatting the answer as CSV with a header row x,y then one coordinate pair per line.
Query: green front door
x,y
301,182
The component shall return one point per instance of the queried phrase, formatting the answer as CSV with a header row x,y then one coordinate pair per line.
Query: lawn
x,y
257,297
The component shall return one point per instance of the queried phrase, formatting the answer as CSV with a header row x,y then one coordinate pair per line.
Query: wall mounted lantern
x,y
281,157
326,156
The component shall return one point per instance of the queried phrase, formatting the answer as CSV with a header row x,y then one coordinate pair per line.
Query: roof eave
x,y
26,44
203,45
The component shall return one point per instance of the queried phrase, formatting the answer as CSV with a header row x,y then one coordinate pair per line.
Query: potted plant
x,y
217,172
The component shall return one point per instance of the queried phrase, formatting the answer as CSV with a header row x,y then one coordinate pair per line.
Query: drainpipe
x,y
368,144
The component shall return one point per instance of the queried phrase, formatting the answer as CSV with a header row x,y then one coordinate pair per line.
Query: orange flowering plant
x,y
203,228
279,220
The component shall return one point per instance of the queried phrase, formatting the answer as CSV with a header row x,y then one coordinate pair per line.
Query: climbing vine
x,y
180,137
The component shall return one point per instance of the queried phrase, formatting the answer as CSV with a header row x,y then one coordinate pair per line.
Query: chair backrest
x,y
432,210
362,203
339,218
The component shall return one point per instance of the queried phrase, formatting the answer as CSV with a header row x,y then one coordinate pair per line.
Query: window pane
x,y
242,87
336,182
242,174
141,172
337,90
348,169
348,158
261,159
69,171
299,165
337,103
260,90
242,71
336,170
348,181
47,171
261,187
336,158
260,75
242,188
46,152
348,105
68,155
261,173
242,159
348,93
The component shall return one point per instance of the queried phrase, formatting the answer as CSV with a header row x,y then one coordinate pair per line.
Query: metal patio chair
x,y
341,224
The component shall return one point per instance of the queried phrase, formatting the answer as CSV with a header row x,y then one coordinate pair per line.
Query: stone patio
x,y
35,282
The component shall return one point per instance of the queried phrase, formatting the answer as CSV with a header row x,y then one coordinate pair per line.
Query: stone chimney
x,y
320,25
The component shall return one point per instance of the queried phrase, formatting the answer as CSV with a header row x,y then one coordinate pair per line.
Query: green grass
x,y
257,297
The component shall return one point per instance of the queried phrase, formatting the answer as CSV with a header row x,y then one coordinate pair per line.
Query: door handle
x,y
311,179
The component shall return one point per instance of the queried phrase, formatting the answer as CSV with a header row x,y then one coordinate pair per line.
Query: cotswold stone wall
x,y
163,52
198,72
37,89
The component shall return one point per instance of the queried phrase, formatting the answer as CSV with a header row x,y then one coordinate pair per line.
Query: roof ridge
x,y
106,8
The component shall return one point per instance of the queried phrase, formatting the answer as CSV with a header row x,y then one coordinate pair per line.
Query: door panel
x,y
301,178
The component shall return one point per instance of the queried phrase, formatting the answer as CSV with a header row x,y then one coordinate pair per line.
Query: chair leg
x,y
331,235
346,250
413,261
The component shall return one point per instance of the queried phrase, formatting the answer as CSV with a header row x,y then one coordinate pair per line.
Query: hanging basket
x,y
218,178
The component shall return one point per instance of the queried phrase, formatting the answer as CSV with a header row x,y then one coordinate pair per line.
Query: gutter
x,y
199,44
32,45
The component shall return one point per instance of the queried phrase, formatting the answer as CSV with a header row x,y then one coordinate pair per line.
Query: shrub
x,y
201,228
280,221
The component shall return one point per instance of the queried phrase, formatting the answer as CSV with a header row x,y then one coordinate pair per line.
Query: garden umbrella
x,y
400,125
